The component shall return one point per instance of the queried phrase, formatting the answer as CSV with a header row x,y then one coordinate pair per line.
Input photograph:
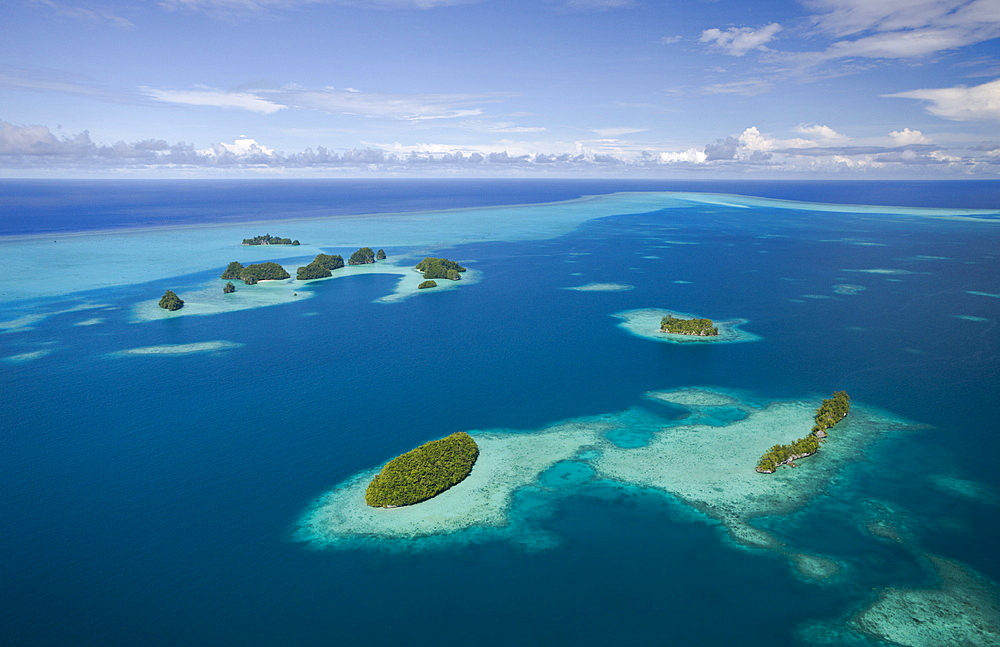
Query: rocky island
x,y
440,268
268,239
256,272
170,301
696,327
320,267
424,472
363,256
830,412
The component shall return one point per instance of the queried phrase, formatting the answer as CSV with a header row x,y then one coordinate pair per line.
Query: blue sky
x,y
643,88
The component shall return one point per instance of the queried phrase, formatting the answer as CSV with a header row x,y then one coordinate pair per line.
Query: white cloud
x,y
906,136
824,133
84,14
691,155
745,87
215,98
408,107
961,103
737,41
617,132
243,147
670,40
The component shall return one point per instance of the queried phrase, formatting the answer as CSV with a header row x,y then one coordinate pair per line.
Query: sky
x,y
475,88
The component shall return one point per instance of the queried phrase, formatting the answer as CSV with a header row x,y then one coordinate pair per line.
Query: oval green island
x,y
424,472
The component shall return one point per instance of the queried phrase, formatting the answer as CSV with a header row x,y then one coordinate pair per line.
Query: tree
x,y
170,301
363,256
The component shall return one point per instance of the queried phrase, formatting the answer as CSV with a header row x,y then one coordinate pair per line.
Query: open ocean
x,y
158,499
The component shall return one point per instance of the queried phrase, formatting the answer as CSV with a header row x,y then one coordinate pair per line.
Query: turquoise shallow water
x,y
158,497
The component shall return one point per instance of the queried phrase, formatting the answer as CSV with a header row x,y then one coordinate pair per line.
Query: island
x,y
427,284
255,272
363,256
830,412
440,268
268,239
228,288
170,301
424,472
320,267
696,327
380,255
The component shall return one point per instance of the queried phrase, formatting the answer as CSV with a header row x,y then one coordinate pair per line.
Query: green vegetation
x,y
170,301
363,256
440,268
699,327
424,472
380,255
268,239
427,284
830,412
255,272
320,267
781,454
228,288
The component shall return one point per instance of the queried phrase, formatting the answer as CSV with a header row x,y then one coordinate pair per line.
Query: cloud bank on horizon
x,y
899,88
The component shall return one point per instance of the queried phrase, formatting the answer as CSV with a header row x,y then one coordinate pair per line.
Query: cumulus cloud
x,y
737,41
907,136
960,103
817,131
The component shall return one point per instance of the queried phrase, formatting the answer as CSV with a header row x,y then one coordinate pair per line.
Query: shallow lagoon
x,y
194,477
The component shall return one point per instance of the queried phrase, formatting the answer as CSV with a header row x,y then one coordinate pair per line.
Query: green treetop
x,y
363,256
424,472
170,301
255,272
699,327
440,268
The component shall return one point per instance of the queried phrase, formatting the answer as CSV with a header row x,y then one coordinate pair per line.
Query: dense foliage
x,y
255,272
228,288
830,412
268,239
780,454
424,472
171,301
363,256
380,255
699,327
427,284
320,267
440,268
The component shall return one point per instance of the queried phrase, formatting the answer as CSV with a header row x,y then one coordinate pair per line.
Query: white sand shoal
x,y
27,357
180,349
507,462
645,322
695,398
602,287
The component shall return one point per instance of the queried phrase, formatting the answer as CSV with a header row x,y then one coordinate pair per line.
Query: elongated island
x,y
268,239
830,412
424,472
697,327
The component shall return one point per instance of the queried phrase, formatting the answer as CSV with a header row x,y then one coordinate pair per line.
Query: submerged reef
x,y
648,322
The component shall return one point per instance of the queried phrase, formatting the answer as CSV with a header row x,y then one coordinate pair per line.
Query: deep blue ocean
x,y
154,500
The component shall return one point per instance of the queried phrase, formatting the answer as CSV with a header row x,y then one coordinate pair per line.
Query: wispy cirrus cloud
x,y
215,98
737,41
959,103
92,14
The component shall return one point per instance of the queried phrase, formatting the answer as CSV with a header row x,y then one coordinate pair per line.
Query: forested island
x,y
228,288
427,284
697,327
320,267
268,239
170,301
830,412
363,256
440,268
424,472
255,272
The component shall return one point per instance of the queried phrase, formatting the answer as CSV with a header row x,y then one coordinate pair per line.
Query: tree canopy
x,y
170,301
320,267
830,412
427,284
268,239
363,256
255,272
440,268
424,472
699,327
